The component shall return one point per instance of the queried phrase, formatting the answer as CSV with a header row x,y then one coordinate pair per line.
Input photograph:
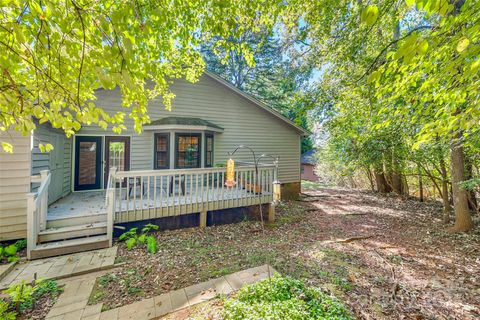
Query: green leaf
x,y
141,238
13,259
423,46
7,147
45,147
369,15
462,44
410,2
130,243
375,76
10,250
152,244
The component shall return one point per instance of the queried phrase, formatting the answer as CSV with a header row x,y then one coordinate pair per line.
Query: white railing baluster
x,y
168,194
202,198
160,205
141,199
208,191
148,198
222,196
32,236
191,192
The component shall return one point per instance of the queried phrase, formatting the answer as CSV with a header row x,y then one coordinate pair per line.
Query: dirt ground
x,y
384,257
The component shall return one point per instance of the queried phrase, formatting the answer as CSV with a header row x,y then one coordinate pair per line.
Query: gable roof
x,y
256,102
308,157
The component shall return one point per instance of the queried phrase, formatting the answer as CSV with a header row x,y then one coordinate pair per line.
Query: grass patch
x,y
311,185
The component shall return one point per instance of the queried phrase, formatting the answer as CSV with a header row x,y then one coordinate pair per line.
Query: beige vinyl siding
x,y
243,123
58,161
14,186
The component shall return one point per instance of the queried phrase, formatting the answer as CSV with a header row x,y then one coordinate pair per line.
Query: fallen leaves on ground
x,y
398,263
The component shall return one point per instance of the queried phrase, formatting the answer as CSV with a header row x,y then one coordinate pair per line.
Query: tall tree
x,y
273,78
55,54
417,59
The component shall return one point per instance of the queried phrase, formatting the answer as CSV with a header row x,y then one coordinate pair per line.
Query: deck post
x,y
271,212
31,234
203,219
277,191
110,214
276,196
44,201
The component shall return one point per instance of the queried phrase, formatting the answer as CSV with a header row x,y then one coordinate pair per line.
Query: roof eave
x,y
180,127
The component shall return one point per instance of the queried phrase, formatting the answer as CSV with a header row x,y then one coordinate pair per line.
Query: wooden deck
x,y
78,204
141,195
85,220
86,203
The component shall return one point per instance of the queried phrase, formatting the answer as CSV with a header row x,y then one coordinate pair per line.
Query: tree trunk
x,y
420,184
397,181
463,219
406,188
447,209
381,181
397,184
370,178
472,199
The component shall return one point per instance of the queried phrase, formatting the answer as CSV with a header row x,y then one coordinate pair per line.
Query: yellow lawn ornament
x,y
230,178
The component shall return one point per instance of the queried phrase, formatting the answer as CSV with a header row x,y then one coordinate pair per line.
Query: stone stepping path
x,y
72,303
6,268
61,267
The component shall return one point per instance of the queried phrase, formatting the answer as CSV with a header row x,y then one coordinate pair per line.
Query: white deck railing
x,y
110,202
37,207
141,195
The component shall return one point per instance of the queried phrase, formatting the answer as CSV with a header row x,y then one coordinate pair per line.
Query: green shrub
x,y
5,313
132,238
21,295
21,244
10,250
24,294
283,298
9,253
152,244
43,287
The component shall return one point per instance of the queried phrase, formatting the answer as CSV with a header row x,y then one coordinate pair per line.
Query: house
x,y
76,196
308,163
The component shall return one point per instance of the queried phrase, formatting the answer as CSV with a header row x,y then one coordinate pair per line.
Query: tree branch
x,y
388,46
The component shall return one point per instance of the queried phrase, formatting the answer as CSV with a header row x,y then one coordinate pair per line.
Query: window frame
x,y
176,150
155,163
208,136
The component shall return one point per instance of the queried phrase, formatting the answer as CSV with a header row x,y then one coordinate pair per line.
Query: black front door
x,y
88,163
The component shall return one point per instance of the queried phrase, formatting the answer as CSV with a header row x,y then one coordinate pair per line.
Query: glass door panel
x,y
88,158
117,154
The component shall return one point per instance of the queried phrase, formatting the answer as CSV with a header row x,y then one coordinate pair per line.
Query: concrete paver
x,y
72,303
60,267
163,305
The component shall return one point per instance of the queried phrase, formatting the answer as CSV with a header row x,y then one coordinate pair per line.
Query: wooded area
x,y
390,87
389,90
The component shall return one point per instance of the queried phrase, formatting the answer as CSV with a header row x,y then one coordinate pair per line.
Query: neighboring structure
x,y
308,164
174,167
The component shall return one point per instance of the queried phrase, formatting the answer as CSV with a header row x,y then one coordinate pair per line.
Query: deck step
x,y
57,248
76,220
70,232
